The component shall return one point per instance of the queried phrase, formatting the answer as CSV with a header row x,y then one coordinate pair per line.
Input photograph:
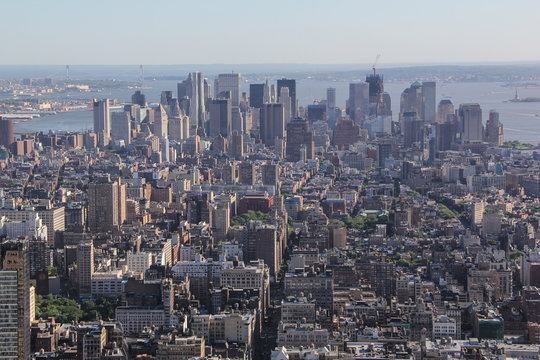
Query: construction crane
x,y
375,63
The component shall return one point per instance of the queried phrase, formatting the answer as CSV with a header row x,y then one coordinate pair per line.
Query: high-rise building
x,y
6,132
331,107
178,123
272,123
357,105
138,98
246,173
376,88
102,124
494,129
430,101
379,101
257,95
291,84
444,109
346,133
220,117
470,119
121,126
166,98
383,153
285,99
413,129
15,301
270,174
106,205
412,101
195,88
85,266
237,144
237,119
161,122
229,82
300,145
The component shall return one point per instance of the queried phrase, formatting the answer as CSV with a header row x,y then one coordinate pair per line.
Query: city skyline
x,y
309,32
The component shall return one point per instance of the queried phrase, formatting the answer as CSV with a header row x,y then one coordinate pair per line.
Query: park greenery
x,y
445,213
517,145
241,220
66,310
366,223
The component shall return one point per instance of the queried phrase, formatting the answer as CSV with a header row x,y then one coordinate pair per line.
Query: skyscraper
x,y
470,119
237,144
106,205
102,123
6,132
376,88
15,301
194,87
229,82
178,123
121,126
285,99
412,101
270,174
494,129
246,173
85,266
272,123
444,109
220,117
331,107
300,145
357,105
161,122
138,98
429,88
291,84
256,95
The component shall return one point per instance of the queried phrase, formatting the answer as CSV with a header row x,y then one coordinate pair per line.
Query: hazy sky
x,y
270,31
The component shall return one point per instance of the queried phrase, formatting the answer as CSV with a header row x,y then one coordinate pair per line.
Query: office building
x,y
195,88
139,262
121,126
6,132
102,125
85,266
237,144
257,95
291,84
430,101
285,99
138,98
161,122
246,173
178,129
15,301
470,119
272,123
358,102
494,129
300,146
444,109
270,174
412,101
331,107
220,118
228,82
106,205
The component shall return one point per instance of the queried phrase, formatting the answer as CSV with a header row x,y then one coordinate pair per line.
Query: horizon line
x,y
389,64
